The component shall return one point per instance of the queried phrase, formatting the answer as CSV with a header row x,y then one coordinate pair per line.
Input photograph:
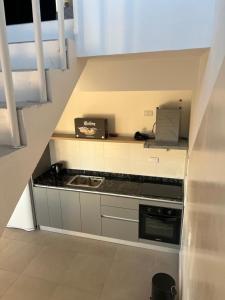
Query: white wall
x,y
22,216
129,26
203,246
172,70
125,110
203,251
120,88
209,77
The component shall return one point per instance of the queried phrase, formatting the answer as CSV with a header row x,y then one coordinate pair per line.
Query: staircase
x,y
36,80
39,68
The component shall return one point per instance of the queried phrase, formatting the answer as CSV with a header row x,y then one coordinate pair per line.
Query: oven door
x,y
160,228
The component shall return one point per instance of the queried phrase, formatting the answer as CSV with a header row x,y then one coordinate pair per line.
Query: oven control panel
x,y
162,211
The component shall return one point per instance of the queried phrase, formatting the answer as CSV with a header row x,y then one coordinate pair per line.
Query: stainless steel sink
x,y
86,181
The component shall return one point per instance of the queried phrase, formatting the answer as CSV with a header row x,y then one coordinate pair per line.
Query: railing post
x,y
8,80
39,49
61,29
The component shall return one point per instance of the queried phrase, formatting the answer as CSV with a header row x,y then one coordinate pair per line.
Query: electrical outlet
x,y
148,113
153,159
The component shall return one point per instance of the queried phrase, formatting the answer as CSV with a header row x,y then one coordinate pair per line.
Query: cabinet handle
x,y
118,218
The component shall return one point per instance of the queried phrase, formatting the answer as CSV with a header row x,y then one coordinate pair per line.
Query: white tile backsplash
x,y
90,155
117,150
119,158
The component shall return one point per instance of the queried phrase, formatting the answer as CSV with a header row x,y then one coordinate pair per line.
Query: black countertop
x,y
121,184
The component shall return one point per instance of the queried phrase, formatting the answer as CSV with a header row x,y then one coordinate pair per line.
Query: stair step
x,y
5,134
23,55
25,32
21,105
26,85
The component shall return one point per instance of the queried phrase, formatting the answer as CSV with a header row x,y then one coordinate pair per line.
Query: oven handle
x,y
163,218
118,218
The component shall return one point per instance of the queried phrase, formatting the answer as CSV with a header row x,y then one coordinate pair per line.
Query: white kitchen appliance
x,y
167,125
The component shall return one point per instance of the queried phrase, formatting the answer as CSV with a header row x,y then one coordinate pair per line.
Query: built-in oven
x,y
161,224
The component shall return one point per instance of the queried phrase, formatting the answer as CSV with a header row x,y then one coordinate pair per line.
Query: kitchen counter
x,y
143,187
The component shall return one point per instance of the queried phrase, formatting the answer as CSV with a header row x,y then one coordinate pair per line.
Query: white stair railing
x,y
61,28
6,64
8,80
39,49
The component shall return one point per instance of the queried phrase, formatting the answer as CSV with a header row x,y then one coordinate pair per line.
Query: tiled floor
x,y
42,265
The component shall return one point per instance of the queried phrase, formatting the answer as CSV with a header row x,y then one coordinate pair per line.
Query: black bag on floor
x,y
163,287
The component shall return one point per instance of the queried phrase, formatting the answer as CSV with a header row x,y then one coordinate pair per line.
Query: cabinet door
x,y
70,205
90,213
118,201
41,206
119,229
54,208
120,223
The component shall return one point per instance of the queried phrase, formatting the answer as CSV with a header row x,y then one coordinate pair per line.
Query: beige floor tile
x,y
16,256
127,252
28,288
3,243
156,261
167,263
50,264
57,266
132,270
1,230
129,278
6,280
35,237
81,245
100,248
88,272
66,242
68,293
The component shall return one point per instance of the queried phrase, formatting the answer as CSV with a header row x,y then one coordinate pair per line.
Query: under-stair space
x,y
41,55
37,123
